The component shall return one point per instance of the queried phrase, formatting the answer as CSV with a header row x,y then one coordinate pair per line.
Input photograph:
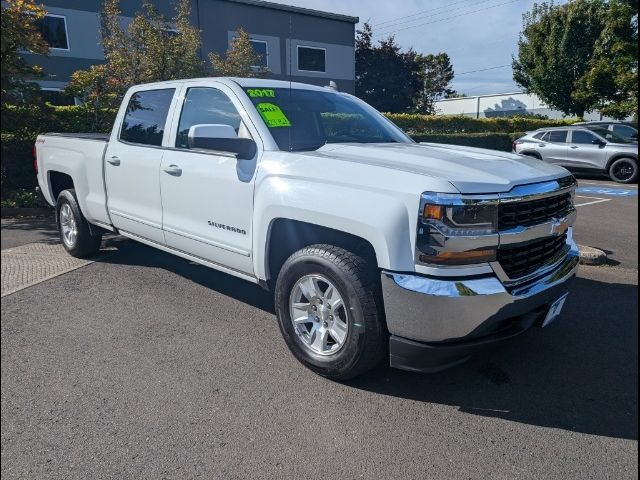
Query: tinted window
x,y
205,106
54,31
146,116
582,137
261,50
625,131
311,59
539,135
558,136
308,119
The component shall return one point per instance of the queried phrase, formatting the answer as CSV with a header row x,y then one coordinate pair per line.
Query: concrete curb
x,y
25,212
591,256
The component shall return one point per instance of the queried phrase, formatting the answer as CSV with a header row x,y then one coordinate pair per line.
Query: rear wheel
x,y
624,170
329,311
74,228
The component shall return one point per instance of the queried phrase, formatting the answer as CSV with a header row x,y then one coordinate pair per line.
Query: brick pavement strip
x,y
33,263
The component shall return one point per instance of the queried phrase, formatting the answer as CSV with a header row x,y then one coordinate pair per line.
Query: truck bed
x,y
74,157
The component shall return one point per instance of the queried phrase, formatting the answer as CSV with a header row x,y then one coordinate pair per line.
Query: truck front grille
x,y
533,212
523,259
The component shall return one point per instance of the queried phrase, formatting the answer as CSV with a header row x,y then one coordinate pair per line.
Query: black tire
x,y
84,244
357,280
624,170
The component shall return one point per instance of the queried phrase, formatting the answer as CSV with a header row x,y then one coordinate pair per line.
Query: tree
x,y
240,60
20,33
581,56
555,49
612,77
150,49
437,74
386,77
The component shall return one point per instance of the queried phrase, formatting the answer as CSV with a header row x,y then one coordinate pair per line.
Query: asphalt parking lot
x,y
143,365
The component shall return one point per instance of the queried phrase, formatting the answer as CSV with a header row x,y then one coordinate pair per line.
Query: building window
x,y
260,47
311,59
54,31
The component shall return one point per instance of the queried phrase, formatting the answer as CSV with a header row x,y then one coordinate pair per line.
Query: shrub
x,y
21,199
439,124
493,141
16,165
26,122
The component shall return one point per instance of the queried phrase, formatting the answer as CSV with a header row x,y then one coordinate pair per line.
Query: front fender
x,y
381,219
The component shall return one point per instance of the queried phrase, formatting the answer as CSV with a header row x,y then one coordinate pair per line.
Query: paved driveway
x,y
143,365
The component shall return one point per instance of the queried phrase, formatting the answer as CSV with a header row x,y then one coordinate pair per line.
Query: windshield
x,y
308,119
608,135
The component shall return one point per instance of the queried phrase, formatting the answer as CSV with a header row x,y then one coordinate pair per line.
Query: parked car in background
x,y
626,130
581,148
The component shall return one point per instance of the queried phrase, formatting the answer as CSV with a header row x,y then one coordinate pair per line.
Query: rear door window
x,y
558,136
146,116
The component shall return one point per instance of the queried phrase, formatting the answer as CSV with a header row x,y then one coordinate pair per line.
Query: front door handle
x,y
574,147
173,170
114,161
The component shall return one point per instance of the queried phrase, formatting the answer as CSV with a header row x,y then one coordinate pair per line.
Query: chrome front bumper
x,y
454,311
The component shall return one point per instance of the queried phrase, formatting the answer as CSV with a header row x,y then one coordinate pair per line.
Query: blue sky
x,y
477,34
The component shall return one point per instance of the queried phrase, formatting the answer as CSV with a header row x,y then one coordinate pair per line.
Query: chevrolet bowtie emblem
x,y
559,226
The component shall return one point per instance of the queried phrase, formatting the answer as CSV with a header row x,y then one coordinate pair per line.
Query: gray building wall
x,y
283,28
503,105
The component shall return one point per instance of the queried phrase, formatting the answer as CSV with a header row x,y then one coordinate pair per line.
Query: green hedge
x,y
27,122
16,166
440,124
493,141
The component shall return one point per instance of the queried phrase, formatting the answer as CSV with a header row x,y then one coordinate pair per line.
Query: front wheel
x,y
624,170
74,228
329,311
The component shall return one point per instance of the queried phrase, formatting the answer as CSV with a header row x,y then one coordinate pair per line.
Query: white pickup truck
x,y
375,247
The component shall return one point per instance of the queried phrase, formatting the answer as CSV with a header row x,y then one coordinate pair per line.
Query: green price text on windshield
x,y
261,92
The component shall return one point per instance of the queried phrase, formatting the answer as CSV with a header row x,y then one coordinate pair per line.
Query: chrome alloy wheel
x,y
68,225
318,314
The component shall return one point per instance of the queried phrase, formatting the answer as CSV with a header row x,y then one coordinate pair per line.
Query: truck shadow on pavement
x,y
579,374
134,253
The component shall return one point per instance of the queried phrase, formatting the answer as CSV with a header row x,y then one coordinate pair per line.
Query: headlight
x,y
457,230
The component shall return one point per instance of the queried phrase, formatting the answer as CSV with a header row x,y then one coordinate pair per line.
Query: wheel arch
x,y
59,181
532,153
618,156
286,236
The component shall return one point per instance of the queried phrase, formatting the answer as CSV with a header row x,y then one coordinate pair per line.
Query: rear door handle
x,y
173,170
114,161
574,147
542,144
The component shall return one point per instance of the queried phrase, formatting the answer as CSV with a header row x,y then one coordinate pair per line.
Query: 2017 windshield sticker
x,y
261,92
272,115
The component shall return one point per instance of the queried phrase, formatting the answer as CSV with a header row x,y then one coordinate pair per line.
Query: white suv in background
x,y
581,148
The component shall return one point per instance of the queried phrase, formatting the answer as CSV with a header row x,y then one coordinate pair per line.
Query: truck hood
x,y
470,170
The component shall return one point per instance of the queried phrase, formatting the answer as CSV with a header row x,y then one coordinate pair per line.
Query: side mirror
x,y
222,138
597,141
